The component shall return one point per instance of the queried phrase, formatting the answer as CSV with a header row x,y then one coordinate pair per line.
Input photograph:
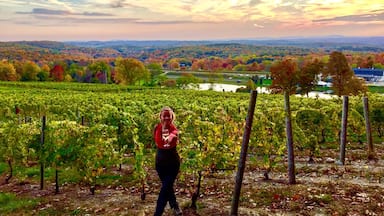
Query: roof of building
x,y
368,72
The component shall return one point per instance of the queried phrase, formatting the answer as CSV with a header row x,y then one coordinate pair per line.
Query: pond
x,y
219,87
232,88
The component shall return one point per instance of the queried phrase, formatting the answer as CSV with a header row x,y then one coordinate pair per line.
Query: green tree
x,y
240,67
7,72
30,71
251,84
187,79
130,70
43,75
155,69
76,72
378,66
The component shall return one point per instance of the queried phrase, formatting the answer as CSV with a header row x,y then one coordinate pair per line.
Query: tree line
x,y
131,71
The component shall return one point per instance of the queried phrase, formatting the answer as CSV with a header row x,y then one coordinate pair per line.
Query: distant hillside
x,y
142,44
362,44
86,50
50,50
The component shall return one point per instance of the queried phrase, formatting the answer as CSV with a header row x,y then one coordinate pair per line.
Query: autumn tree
x,y
214,64
197,64
308,76
228,64
343,79
253,66
19,69
174,64
285,75
100,71
57,73
357,86
129,71
7,72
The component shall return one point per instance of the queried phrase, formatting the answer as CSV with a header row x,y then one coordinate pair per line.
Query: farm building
x,y
370,74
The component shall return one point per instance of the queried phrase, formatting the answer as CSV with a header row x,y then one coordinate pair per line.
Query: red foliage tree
x,y
57,73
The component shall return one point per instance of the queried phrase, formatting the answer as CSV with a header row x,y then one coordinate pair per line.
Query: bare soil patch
x,y
323,188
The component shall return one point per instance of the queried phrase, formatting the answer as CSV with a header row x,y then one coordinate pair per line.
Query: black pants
x,y
167,167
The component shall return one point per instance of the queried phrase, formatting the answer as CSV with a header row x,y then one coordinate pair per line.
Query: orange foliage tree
x,y
7,72
285,76
344,81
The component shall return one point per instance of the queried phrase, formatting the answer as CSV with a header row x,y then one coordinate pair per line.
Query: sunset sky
x,y
66,20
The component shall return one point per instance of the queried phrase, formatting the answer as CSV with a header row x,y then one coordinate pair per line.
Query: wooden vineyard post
x,y
288,129
343,135
243,154
56,181
371,153
42,140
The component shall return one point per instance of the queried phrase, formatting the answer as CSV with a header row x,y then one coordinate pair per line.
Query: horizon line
x,y
198,40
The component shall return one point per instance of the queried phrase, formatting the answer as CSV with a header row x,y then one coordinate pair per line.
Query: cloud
x,y
92,19
44,11
171,22
356,18
61,4
117,4
254,2
289,9
258,26
94,14
48,11
75,20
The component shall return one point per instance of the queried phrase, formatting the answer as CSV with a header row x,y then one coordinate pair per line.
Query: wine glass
x,y
165,135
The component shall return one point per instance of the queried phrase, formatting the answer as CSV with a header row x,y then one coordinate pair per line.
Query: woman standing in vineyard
x,y
167,160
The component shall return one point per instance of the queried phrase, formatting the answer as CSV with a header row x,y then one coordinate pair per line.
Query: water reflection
x,y
232,88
